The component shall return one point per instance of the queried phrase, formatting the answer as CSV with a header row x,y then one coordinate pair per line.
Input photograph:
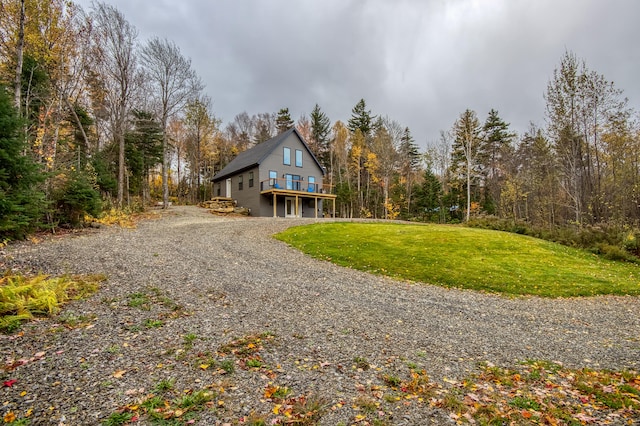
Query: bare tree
x,y
176,83
114,42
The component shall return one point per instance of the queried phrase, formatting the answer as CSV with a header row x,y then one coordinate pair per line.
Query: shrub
x,y
76,198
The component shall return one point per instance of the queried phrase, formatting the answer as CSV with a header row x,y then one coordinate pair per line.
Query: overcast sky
x,y
420,62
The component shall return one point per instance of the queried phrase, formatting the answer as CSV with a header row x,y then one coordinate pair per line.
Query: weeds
x,y
361,363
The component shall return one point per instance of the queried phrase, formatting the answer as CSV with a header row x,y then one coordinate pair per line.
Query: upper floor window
x,y
250,179
298,158
273,178
286,156
239,182
312,184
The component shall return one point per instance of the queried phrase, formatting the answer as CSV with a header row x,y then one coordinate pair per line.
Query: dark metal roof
x,y
256,155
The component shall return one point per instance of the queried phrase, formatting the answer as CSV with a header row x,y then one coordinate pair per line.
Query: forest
x,y
93,119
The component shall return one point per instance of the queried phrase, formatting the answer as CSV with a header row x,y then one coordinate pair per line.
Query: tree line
x,y
93,117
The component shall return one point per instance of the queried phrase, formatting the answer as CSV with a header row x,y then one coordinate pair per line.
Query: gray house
x,y
279,178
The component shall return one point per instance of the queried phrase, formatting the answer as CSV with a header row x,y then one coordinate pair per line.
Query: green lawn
x,y
455,256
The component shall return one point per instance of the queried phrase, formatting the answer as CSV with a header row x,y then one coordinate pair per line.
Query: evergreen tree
x,y
361,119
283,120
429,196
409,156
21,202
320,129
493,153
143,150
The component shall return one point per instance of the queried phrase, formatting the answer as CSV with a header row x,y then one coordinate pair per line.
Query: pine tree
x,y
361,119
21,203
493,153
409,156
284,121
320,129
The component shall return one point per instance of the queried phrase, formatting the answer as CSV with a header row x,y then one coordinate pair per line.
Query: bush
x,y
76,198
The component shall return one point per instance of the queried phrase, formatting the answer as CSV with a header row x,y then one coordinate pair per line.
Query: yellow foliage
x,y
393,209
21,298
123,218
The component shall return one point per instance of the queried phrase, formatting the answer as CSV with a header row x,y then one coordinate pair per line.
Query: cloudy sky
x,y
420,62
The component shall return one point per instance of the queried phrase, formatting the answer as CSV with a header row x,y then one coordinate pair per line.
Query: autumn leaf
x,y
10,417
119,373
9,383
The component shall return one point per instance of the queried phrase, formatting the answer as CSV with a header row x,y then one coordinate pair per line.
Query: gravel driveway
x,y
208,280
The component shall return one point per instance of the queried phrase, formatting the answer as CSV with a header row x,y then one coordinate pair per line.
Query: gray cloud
x,y
419,62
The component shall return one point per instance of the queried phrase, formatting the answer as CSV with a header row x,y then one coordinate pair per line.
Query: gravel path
x,y
231,279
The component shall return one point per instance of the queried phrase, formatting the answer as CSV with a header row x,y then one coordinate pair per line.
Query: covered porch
x,y
293,193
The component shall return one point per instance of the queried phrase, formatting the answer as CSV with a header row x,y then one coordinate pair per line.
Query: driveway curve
x,y
227,278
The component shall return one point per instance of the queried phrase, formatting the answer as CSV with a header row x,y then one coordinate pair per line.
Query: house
x,y
280,178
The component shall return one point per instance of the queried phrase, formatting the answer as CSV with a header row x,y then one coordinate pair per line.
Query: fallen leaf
x,y
119,373
526,414
9,383
10,417
40,354
276,409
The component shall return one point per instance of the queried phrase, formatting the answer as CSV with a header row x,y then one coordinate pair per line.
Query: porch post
x,y
296,209
315,199
334,208
275,205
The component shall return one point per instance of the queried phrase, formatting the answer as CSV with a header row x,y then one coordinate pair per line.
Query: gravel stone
x,y
233,279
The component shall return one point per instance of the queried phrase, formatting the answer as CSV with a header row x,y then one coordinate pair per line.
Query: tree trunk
x,y
19,56
165,161
120,137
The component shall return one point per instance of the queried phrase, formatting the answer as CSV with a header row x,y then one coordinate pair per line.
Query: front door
x,y
228,192
290,207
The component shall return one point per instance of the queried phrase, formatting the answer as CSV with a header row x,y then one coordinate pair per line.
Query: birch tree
x,y
466,131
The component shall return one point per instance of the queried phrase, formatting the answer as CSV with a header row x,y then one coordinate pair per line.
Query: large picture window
x,y
298,158
286,156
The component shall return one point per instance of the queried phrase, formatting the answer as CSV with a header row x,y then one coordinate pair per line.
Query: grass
x,y
22,298
455,256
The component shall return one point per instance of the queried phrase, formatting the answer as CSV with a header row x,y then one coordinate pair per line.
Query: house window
x,y
239,182
287,157
312,184
218,189
273,178
298,158
250,179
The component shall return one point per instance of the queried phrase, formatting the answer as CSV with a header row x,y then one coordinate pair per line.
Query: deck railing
x,y
295,185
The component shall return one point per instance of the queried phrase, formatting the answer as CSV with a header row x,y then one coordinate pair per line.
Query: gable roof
x,y
256,155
